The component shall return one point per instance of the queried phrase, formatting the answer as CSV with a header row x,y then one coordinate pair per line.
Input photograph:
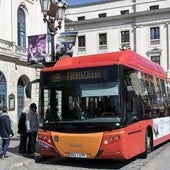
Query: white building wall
x,y
139,21
142,40
142,5
5,19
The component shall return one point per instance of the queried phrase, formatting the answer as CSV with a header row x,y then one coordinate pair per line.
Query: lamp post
x,y
53,13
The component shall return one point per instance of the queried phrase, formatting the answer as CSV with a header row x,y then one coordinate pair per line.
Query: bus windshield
x,y
79,102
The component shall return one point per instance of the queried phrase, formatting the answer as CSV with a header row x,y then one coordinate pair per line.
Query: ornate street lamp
x,y
53,12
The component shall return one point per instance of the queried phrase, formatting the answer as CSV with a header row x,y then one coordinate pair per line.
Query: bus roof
x,y
127,58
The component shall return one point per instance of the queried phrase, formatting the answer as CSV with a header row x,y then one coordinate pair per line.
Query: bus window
x,y
101,106
154,96
79,102
134,101
51,109
168,97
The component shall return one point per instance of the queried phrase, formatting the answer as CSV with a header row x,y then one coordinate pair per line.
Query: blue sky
x,y
77,2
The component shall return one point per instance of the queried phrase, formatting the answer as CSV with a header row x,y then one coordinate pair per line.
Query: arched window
x,y
3,95
22,81
21,28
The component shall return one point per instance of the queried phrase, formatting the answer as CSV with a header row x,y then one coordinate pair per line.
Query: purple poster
x,y
37,49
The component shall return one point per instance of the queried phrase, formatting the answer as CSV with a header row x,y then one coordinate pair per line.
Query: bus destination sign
x,y
76,76
99,74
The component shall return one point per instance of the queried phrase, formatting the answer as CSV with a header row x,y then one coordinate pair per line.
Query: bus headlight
x,y
43,145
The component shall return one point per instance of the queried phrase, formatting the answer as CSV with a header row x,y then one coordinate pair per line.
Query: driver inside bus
x,y
51,114
91,110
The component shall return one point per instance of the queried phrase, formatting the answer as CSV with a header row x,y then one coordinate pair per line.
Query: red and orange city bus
x,y
105,106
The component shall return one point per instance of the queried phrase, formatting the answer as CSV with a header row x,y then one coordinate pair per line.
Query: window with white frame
x,y
21,27
156,59
102,41
81,43
102,15
81,18
123,12
154,35
125,39
154,7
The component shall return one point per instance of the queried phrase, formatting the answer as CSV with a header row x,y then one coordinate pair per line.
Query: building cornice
x,y
86,24
10,52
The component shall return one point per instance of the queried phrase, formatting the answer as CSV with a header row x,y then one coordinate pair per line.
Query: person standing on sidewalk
x,y
5,131
32,128
22,130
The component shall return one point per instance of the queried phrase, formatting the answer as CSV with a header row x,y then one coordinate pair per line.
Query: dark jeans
x,y
32,136
23,143
5,145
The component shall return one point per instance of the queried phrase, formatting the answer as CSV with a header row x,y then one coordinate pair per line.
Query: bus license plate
x,y
77,155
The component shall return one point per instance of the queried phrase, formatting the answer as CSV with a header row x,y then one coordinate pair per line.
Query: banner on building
x,y
37,49
65,44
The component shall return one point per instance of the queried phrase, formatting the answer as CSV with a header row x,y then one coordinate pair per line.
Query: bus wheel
x,y
148,145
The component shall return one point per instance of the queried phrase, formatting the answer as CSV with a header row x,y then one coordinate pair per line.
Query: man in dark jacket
x,y
5,131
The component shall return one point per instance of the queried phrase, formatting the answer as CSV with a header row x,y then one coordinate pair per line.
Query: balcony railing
x,y
10,49
103,47
154,41
81,49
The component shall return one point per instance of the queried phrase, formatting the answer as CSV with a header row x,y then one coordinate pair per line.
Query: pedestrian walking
x,y
5,132
22,130
32,128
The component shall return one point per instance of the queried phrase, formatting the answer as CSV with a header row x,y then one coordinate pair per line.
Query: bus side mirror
x,y
28,90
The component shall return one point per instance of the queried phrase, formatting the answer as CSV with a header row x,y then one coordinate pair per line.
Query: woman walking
x,y
22,130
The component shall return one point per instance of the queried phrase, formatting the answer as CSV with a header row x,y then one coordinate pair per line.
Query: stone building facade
x,y
18,20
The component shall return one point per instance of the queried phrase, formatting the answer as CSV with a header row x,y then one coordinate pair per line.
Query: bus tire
x,y
148,145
